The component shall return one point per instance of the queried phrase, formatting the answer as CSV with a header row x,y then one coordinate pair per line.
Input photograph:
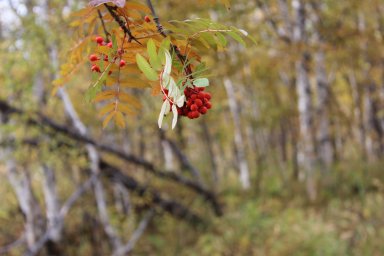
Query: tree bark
x,y
306,153
357,113
21,183
212,156
239,141
325,149
54,222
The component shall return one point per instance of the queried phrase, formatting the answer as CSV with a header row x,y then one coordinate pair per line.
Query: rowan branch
x,y
183,59
107,34
121,23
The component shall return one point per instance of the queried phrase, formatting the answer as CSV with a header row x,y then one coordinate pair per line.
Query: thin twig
x,y
121,24
175,49
107,34
136,234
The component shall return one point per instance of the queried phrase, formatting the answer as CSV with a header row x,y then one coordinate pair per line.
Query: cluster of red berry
x,y
197,103
94,57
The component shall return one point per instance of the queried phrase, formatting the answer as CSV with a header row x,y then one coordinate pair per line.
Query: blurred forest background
x,y
289,160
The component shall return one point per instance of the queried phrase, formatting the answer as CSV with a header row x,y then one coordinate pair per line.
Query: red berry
x,y
190,115
189,103
194,107
195,114
198,102
193,96
95,68
147,19
93,57
203,110
207,95
99,40
122,63
180,111
200,88
208,105
110,44
106,58
201,95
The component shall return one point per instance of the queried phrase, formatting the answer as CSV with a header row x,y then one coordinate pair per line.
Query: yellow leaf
x,y
131,69
126,109
119,120
134,83
83,12
131,100
103,49
156,89
105,95
129,6
108,119
106,109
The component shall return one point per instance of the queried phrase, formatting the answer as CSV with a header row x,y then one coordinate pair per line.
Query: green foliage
x,y
144,66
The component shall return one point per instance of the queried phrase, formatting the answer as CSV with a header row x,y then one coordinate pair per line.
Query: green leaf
x,y
221,39
237,37
114,43
153,57
101,63
201,82
165,45
144,66
200,68
90,94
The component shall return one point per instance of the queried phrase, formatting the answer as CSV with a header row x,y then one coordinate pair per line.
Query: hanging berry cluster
x,y
197,103
93,58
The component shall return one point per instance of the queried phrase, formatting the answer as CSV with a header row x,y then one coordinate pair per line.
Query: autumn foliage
x,y
127,47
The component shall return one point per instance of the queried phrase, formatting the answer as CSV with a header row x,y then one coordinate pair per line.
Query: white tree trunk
x,y
306,153
239,141
55,223
323,87
21,183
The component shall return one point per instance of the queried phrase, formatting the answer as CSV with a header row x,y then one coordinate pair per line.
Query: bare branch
x,y
43,121
4,250
62,214
137,234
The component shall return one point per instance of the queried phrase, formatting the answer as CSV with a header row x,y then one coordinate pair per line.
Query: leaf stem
x,y
160,28
107,34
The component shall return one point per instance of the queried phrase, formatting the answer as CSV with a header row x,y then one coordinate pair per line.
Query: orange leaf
x,y
105,95
119,120
126,109
108,118
131,100
106,109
